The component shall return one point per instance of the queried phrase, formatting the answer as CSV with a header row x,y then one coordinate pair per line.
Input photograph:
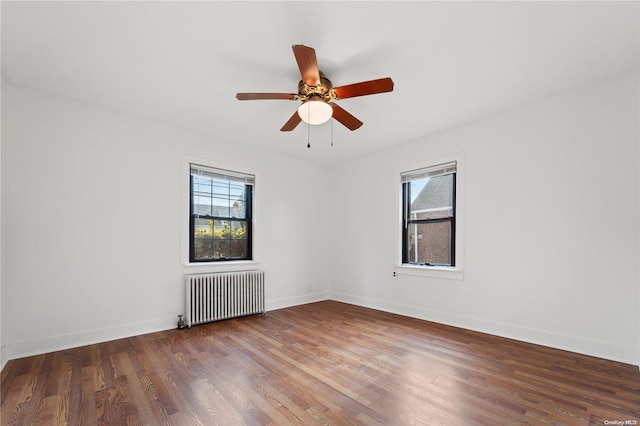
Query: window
x,y
429,215
220,225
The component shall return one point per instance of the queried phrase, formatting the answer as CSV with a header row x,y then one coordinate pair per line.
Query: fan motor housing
x,y
324,89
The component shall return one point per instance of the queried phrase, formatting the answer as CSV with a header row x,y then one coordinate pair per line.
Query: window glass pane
x,y
216,197
236,200
429,243
221,230
203,249
431,198
221,249
238,230
238,208
202,206
201,185
238,248
203,239
228,249
201,196
203,228
220,198
229,239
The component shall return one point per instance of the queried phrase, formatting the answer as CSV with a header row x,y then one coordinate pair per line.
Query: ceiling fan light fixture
x,y
317,93
315,111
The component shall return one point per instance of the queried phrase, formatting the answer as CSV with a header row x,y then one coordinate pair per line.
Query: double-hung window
x,y
220,224
429,216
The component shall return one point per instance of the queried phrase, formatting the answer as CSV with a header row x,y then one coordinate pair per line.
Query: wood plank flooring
x,y
325,363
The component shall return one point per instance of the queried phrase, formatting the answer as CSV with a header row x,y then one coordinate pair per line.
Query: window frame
x,y
407,222
247,218
228,265
449,272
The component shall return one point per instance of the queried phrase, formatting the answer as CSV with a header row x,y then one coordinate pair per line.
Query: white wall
x,y
2,357
91,224
92,228
551,225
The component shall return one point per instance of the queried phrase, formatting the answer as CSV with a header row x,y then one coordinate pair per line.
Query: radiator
x,y
213,297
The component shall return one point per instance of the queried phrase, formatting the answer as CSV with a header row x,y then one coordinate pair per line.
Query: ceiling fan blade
x,y
259,96
370,87
348,120
308,64
292,123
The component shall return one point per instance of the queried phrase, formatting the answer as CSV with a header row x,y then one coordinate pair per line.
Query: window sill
x,y
218,267
430,271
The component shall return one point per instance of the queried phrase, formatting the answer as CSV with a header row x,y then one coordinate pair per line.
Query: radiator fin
x,y
214,297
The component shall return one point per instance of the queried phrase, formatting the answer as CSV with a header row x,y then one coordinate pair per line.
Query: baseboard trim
x,y
3,358
287,302
26,348
58,343
621,353
607,350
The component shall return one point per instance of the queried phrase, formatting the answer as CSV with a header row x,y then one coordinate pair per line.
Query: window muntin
x,y
429,216
220,214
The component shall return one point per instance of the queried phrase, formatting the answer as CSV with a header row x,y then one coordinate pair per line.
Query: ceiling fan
x,y
317,94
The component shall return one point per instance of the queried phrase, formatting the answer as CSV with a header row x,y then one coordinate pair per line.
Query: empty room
x,y
275,213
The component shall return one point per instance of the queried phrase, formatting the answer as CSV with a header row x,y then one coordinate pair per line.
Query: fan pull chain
x,y
331,132
308,127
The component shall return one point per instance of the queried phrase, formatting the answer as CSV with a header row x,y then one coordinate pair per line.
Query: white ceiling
x,y
183,62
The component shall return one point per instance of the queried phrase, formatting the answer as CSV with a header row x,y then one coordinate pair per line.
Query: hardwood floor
x,y
321,363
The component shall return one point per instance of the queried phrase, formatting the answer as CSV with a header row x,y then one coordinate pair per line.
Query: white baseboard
x,y
287,302
3,358
26,348
622,353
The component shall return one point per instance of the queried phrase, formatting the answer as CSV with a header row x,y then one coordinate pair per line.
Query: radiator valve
x,y
181,322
